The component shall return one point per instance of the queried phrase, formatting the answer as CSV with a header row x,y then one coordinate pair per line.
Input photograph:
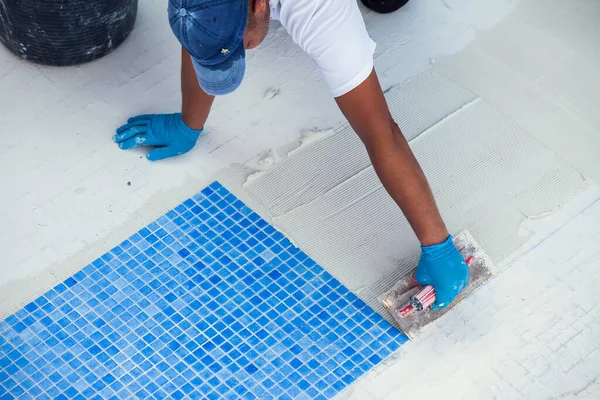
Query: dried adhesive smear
x,y
506,130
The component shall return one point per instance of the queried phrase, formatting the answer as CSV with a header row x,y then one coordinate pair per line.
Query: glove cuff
x,y
184,126
438,249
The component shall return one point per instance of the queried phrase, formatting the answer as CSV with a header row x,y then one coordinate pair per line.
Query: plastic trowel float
x,y
408,302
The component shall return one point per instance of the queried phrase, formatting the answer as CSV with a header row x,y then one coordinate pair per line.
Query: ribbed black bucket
x,y
65,32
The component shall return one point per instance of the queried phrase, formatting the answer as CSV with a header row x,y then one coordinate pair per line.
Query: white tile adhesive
x,y
488,175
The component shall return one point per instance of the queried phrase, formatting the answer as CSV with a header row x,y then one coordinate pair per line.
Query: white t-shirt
x,y
333,33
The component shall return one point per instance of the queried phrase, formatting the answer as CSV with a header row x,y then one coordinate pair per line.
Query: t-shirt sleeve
x,y
333,33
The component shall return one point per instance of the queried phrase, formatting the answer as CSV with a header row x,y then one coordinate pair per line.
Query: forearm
x,y
367,111
196,103
406,183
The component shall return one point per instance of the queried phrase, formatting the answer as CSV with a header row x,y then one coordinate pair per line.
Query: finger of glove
x,y
467,278
128,131
140,118
442,299
462,286
166,152
136,141
131,122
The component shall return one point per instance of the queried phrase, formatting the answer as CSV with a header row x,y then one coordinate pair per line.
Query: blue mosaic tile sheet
x,y
207,302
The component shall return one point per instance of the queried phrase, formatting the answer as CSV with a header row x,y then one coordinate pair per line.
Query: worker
x,y
215,35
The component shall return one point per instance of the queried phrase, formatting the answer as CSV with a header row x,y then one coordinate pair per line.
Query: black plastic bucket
x,y
383,6
65,32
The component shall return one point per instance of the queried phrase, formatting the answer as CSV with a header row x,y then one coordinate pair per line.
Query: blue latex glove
x,y
443,267
167,132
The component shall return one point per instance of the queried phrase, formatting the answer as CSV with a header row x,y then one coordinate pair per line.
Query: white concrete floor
x,y
66,191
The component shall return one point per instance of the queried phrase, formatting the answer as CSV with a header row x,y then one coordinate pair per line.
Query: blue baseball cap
x,y
212,32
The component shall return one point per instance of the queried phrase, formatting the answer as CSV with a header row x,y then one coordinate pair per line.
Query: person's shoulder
x,y
333,34
312,8
309,7
306,18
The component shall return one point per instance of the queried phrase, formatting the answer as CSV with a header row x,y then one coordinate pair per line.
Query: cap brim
x,y
221,79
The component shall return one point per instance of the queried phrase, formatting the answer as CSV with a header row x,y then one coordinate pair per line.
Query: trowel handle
x,y
418,302
424,299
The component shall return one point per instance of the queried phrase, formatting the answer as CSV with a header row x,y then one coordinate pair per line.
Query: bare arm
x,y
367,111
196,103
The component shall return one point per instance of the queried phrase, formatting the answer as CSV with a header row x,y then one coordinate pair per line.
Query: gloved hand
x,y
443,267
167,132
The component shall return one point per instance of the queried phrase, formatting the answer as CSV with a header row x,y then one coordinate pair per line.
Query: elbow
x,y
385,140
397,136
